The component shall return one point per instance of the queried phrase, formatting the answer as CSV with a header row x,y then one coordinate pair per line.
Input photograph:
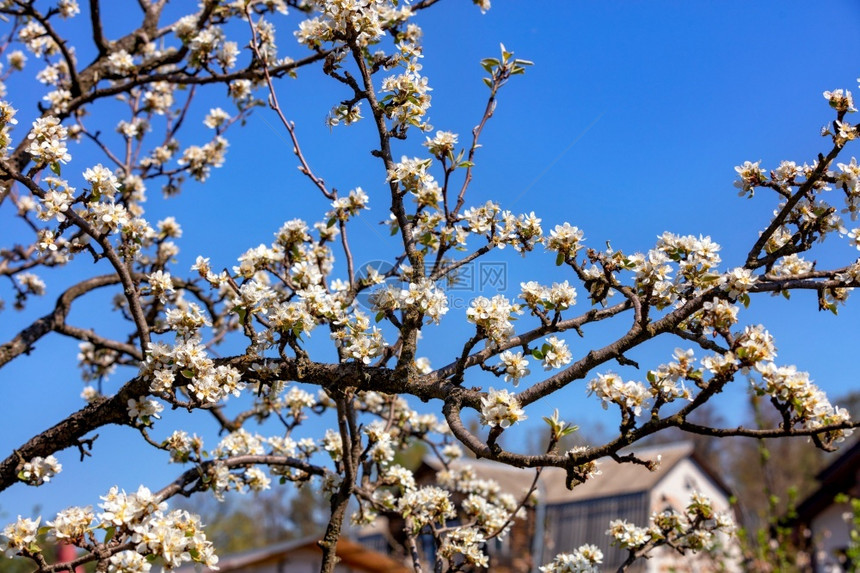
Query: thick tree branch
x,y
55,320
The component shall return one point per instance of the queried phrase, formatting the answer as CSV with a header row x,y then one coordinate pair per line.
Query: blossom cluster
x,y
140,519
805,402
610,388
584,559
502,227
697,528
560,296
465,541
566,240
39,470
407,99
48,141
176,536
345,207
485,510
667,380
424,296
554,352
7,120
186,365
501,408
20,536
425,506
696,259
516,366
358,339
493,317
362,22
435,230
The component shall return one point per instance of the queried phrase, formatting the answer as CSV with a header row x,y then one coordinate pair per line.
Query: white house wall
x,y
829,536
677,485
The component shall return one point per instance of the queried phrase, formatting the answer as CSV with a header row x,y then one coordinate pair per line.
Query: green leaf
x,y
109,533
559,259
537,354
489,63
380,315
331,222
55,167
488,82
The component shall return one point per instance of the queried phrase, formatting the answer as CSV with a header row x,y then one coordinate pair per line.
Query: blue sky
x,y
629,124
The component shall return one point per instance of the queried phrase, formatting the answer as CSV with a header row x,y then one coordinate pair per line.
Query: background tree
x,y
250,522
189,341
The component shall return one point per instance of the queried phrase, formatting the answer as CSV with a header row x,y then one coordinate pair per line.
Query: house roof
x,y
352,555
616,479
619,479
841,476
843,467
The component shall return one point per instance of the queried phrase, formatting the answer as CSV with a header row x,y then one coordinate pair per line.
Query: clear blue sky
x,y
629,124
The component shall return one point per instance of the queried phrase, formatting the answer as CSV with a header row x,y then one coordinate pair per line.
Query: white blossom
x,y
40,470
501,408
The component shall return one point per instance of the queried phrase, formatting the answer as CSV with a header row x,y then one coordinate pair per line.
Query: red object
x,y
66,553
